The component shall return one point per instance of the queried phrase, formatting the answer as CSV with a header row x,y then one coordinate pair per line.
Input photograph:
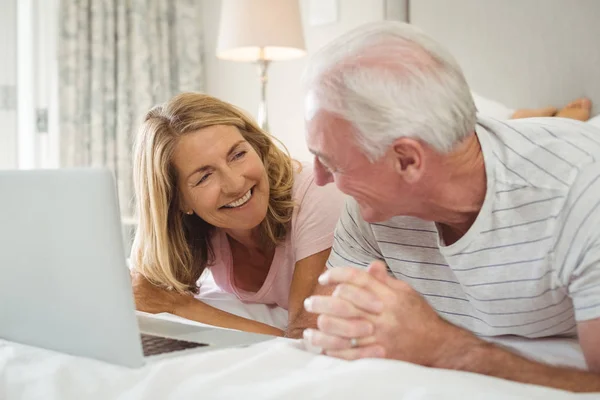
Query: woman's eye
x,y
239,155
203,179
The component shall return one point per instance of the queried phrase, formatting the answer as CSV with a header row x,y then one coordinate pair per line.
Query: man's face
x,y
338,159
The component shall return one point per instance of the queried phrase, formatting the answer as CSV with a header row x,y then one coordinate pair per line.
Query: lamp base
x,y
262,117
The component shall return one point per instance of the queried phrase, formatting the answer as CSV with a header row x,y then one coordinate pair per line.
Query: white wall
x,y
237,83
527,55
37,56
8,84
28,82
46,74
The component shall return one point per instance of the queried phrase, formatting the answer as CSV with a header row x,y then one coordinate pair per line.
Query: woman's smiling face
x,y
221,178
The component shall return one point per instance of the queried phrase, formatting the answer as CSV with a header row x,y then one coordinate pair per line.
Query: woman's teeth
x,y
241,201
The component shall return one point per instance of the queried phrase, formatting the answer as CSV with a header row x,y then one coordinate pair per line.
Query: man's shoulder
x,y
543,153
384,230
558,140
405,223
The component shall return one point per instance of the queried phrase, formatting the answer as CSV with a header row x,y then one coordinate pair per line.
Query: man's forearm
x,y
475,355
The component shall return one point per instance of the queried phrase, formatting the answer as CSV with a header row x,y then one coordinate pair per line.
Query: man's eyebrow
x,y
320,156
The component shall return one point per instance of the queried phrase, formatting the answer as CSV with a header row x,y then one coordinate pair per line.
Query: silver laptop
x,y
64,283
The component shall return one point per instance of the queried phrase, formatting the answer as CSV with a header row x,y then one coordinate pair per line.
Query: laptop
x,y
64,281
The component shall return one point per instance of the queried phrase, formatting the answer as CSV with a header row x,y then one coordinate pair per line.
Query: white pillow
x,y
594,121
492,108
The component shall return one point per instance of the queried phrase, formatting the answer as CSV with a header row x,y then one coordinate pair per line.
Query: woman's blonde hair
x,y
172,249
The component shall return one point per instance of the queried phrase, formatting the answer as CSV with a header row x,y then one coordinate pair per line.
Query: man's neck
x,y
459,190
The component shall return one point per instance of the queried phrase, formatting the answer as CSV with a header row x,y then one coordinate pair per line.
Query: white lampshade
x,y
252,30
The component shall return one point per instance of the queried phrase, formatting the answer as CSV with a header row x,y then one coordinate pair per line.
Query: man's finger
x,y
378,270
331,305
359,297
370,351
348,328
314,338
357,277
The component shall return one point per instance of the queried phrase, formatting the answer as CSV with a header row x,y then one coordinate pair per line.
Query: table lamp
x,y
260,31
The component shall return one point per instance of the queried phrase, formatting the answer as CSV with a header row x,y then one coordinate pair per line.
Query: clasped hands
x,y
373,315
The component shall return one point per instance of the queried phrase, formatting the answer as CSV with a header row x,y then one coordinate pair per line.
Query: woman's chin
x,y
246,219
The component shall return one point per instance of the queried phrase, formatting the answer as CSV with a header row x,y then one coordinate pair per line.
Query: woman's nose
x,y
233,182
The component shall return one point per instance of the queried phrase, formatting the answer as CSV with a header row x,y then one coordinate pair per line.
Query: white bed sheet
x,y
211,294
275,369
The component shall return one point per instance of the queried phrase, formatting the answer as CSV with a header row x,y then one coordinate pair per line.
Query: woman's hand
x,y
153,299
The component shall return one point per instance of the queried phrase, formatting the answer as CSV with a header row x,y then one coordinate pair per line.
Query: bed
x,y
520,53
276,369
279,369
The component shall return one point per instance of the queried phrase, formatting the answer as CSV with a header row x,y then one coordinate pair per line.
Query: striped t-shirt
x,y
530,263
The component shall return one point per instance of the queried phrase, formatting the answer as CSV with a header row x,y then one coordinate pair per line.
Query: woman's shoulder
x,y
315,215
304,175
305,189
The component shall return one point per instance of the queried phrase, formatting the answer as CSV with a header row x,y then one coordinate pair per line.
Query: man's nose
x,y
322,175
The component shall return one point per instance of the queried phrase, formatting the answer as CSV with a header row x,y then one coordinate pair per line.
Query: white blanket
x,y
275,369
211,294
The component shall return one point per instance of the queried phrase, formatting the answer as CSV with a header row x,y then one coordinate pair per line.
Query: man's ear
x,y
409,158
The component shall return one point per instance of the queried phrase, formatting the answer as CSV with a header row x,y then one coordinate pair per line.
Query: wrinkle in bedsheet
x,y
270,370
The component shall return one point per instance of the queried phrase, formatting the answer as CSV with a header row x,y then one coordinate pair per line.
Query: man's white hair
x,y
390,80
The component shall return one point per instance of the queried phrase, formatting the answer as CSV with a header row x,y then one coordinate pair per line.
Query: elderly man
x,y
482,228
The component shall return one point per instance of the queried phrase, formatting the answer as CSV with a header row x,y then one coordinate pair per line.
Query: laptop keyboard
x,y
154,345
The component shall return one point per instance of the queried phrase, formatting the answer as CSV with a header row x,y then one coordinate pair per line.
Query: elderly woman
x,y
214,191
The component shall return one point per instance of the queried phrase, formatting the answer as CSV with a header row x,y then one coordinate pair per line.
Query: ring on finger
x,y
353,342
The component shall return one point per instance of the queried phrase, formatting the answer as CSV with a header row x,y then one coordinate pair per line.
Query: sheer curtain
x,y
118,58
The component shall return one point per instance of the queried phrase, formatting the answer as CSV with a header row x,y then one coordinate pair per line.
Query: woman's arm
x,y
196,310
153,299
306,273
